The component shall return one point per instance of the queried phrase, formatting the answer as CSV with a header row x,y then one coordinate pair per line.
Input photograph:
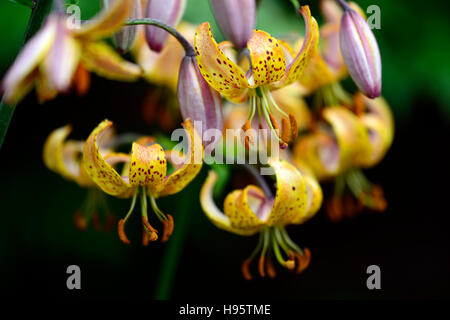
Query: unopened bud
x,y
197,100
166,11
360,52
236,19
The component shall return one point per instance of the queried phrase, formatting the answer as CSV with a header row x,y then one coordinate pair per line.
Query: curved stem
x,y
152,22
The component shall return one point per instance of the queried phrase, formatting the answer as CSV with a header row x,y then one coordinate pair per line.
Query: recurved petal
x,y
291,197
267,58
104,61
192,165
216,216
98,169
148,166
247,208
218,70
295,69
17,79
108,21
62,60
53,154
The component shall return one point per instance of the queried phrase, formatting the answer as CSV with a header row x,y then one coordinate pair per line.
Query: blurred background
x,y
410,241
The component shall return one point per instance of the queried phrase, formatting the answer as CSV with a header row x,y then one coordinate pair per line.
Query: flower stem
x,y
38,12
182,40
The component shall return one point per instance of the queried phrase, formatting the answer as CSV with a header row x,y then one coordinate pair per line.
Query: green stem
x,y
38,13
171,258
182,40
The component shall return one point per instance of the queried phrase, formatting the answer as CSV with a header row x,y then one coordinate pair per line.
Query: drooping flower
x,y
343,145
273,64
169,12
144,173
250,211
58,57
63,157
236,19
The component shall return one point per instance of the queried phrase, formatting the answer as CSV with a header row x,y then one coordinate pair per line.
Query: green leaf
x,y
28,3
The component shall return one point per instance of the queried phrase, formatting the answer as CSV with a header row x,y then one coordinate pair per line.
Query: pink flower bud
x,y
236,19
166,11
361,54
199,102
125,38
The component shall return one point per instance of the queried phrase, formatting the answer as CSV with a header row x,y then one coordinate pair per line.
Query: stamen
x,y
274,104
152,232
294,126
285,130
80,221
121,231
248,138
261,266
271,269
121,224
82,80
168,228
303,261
245,269
145,237
96,221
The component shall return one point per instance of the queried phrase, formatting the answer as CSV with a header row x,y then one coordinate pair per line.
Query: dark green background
x,y
410,242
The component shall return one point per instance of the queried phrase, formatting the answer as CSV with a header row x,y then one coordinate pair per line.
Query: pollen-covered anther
x,y
168,228
286,133
247,135
152,232
261,266
82,80
121,230
294,126
80,221
245,269
303,260
271,269
290,264
145,237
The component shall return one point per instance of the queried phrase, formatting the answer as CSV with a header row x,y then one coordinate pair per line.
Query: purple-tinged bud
x,y
199,102
360,52
236,19
166,11
125,38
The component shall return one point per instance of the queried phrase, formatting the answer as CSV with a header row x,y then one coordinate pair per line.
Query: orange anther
x,y
271,269
82,80
121,230
245,269
79,221
303,260
294,126
247,135
286,133
261,266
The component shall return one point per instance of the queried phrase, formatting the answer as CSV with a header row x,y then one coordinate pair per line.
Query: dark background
x,y
410,241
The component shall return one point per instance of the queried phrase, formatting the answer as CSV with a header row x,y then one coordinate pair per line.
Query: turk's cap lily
x,y
125,38
248,211
146,166
198,101
268,59
57,56
63,156
169,12
236,19
342,143
361,54
377,118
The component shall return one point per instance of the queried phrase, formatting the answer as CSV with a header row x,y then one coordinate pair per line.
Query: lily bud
x,y
166,11
360,52
125,38
198,101
236,19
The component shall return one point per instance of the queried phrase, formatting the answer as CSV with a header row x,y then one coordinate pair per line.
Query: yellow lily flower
x,y
58,56
250,211
273,64
63,157
144,173
347,142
